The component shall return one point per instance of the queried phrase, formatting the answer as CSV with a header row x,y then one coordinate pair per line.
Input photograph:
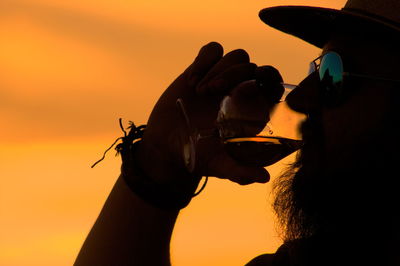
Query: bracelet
x,y
167,196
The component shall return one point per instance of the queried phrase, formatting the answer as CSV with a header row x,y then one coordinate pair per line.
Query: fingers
x,y
223,82
208,56
249,103
223,166
213,73
237,68
269,80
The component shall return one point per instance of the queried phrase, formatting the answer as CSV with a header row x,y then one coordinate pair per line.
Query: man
x,y
338,205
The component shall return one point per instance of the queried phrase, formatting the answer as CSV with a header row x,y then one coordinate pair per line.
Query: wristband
x,y
168,196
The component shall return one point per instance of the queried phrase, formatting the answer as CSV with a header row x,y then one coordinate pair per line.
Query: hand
x,y
201,87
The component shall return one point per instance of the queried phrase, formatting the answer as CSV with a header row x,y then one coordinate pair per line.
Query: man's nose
x,y
305,98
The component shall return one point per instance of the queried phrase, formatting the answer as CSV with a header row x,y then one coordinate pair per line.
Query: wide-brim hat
x,y
315,25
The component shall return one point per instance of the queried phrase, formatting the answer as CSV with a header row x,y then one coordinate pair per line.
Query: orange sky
x,y
69,70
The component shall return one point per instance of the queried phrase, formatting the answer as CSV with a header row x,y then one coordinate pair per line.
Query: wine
x,y
260,150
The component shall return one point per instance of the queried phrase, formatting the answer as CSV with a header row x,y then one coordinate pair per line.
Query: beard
x,y
349,194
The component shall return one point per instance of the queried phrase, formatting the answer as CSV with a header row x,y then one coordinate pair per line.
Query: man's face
x,y
363,106
343,160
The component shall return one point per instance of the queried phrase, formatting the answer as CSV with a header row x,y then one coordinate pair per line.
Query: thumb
x,y
225,167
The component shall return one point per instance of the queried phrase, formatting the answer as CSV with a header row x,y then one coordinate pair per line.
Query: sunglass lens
x,y
331,75
331,68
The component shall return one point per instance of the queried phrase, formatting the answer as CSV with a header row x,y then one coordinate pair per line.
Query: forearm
x,y
164,162
128,231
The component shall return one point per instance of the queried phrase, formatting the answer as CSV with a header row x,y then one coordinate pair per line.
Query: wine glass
x,y
267,147
264,149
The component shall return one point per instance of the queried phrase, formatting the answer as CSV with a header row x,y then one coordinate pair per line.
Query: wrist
x,y
160,182
159,165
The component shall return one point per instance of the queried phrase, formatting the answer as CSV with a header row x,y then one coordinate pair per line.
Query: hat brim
x,y
315,25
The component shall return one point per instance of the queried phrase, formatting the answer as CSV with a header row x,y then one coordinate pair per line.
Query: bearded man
x,y
337,205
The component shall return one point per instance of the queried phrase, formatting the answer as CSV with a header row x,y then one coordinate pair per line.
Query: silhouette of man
x,y
339,203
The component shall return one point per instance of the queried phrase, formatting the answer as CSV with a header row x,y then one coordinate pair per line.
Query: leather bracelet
x,y
168,196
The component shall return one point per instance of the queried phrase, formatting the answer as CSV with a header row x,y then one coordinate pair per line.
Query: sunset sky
x,y
70,69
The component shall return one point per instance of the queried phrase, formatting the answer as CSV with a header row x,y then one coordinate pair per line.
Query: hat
x,y
315,25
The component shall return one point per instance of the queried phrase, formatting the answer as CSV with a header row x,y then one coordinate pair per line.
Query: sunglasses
x,y
332,77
